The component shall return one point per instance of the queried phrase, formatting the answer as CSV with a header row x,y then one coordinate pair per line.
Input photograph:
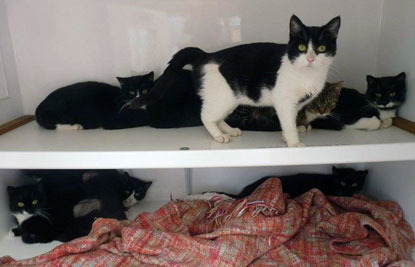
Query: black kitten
x,y
91,105
343,182
32,212
173,101
372,111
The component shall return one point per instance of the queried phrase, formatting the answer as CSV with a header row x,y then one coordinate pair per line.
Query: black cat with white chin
x,y
91,105
371,111
342,182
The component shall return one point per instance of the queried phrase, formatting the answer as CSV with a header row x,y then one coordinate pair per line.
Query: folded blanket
x,y
265,229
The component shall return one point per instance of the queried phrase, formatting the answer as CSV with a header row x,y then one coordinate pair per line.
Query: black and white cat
x,y
371,111
342,182
64,204
91,105
285,76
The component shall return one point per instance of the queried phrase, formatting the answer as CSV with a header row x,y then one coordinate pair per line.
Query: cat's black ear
x,y
150,76
333,27
10,190
370,79
364,173
296,26
401,77
147,185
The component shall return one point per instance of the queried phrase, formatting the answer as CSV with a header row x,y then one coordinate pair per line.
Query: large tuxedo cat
x,y
285,76
371,111
90,105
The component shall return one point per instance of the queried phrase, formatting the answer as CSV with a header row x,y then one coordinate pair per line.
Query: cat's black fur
x,y
95,105
60,195
173,101
342,182
353,106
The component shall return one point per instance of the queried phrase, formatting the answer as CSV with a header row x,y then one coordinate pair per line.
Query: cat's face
x,y
312,47
348,181
136,86
387,92
27,199
134,190
326,101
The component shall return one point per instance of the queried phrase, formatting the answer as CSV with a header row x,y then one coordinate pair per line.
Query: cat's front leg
x,y
287,113
386,123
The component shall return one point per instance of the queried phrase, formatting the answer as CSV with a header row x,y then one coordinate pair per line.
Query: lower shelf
x,y
14,247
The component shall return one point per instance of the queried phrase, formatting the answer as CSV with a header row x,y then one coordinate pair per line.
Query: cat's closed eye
x,y
132,93
392,94
354,185
378,95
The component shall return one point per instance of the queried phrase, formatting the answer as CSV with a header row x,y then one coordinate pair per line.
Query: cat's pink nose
x,y
310,59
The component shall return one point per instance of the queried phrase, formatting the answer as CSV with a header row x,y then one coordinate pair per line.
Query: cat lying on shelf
x,y
91,105
372,111
64,204
284,76
342,182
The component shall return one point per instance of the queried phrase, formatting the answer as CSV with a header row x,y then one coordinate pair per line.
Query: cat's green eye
x,y
321,48
20,204
302,48
34,202
392,94
145,91
378,95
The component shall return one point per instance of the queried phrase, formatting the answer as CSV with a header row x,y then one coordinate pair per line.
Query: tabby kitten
x,y
265,119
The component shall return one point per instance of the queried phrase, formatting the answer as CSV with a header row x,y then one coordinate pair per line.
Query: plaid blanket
x,y
265,229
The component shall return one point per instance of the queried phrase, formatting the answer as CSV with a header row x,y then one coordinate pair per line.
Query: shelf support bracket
x,y
188,180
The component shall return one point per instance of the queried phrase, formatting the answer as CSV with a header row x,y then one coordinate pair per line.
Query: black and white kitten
x,y
372,111
342,182
285,76
91,105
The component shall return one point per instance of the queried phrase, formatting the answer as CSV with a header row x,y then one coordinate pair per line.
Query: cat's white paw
x,y
309,128
296,145
11,233
386,123
65,127
235,132
301,129
223,138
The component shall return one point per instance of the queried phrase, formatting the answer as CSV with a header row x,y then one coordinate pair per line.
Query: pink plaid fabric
x,y
264,229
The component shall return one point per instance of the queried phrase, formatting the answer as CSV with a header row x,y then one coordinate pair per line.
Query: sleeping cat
x,y
64,212
372,111
342,182
265,119
90,105
285,76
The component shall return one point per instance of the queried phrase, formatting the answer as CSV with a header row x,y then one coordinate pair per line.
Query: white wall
x,y
10,98
61,42
397,47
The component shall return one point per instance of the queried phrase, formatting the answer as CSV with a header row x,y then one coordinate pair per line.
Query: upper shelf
x,y
33,147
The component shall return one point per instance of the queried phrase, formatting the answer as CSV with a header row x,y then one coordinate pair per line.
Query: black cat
x,y
90,105
371,111
342,182
64,204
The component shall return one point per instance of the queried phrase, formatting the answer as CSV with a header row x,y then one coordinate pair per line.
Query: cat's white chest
x,y
21,217
386,114
295,83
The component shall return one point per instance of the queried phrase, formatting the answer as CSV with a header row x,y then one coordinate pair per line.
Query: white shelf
x,y
14,246
33,147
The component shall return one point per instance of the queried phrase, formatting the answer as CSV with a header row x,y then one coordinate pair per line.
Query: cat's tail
x,y
186,56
